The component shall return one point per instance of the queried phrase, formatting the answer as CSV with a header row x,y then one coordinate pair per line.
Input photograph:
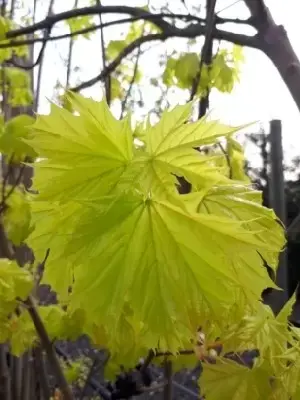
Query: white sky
x,y
260,95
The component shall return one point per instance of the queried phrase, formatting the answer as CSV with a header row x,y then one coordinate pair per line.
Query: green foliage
x,y
15,81
15,284
147,266
275,372
79,23
181,71
7,53
235,381
58,323
117,91
11,138
136,30
117,227
72,371
16,215
136,265
17,85
236,157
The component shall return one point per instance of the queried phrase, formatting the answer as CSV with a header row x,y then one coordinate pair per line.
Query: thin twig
x,y
147,361
39,57
5,196
107,80
182,388
70,55
47,345
41,64
135,70
206,49
89,376
6,177
227,159
153,388
168,353
41,266
104,393
12,9
116,62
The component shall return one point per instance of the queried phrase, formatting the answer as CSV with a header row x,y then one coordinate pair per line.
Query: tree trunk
x,y
274,42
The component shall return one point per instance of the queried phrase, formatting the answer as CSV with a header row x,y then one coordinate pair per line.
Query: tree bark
x,y
274,42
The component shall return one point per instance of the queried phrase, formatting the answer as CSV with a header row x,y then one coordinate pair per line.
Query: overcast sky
x,y
260,95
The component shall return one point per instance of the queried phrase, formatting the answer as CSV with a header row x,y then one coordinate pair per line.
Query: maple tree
x,y
136,265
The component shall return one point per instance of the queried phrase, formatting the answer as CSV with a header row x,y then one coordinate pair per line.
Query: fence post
x,y
277,201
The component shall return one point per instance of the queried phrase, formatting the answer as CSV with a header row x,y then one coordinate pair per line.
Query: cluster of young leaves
x,y
7,25
17,85
129,246
16,215
15,80
275,373
80,23
12,133
60,324
76,371
231,158
236,160
15,205
15,285
181,71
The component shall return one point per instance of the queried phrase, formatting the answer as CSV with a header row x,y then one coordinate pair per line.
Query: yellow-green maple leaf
x,y
115,233
88,154
234,381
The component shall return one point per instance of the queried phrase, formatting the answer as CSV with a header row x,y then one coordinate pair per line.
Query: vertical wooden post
x,y
277,201
168,389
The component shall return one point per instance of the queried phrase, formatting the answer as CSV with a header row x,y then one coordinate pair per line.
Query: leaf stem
x,y
47,345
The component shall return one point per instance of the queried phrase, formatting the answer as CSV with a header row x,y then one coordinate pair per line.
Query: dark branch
x,y
206,53
39,57
51,20
191,31
47,345
150,17
248,21
135,70
116,62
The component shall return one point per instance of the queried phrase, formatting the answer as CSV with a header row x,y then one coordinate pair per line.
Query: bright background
x,y
260,96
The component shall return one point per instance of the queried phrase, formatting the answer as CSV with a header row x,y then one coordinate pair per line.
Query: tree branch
x,y
274,42
150,17
51,20
189,32
47,345
103,54
259,12
39,57
192,30
116,62
135,70
248,21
